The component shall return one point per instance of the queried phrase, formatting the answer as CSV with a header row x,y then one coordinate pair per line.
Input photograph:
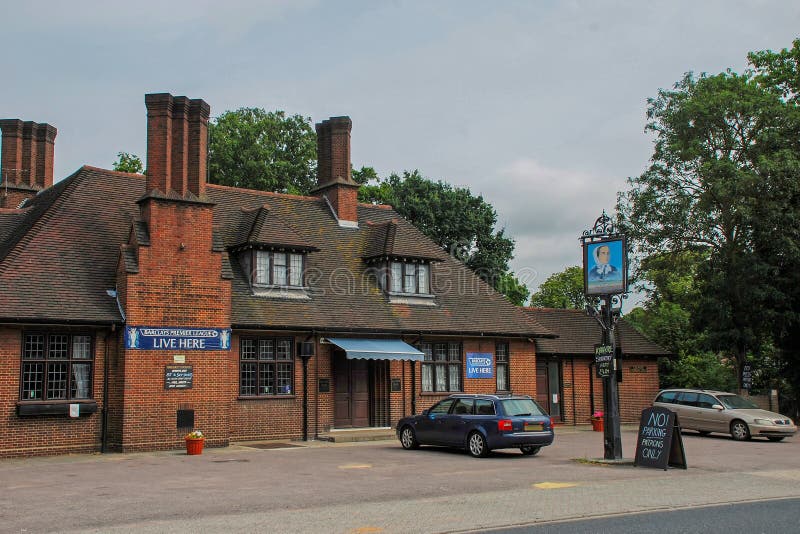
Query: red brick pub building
x,y
136,307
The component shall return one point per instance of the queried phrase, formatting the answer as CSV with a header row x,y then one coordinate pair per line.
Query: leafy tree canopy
x,y
267,150
561,290
128,163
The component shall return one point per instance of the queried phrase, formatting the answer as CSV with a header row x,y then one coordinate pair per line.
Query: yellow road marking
x,y
554,485
366,530
355,466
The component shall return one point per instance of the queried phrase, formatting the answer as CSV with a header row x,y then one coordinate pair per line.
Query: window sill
x,y
281,292
34,408
418,299
264,397
438,393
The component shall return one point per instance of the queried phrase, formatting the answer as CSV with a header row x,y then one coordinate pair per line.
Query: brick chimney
x,y
334,177
177,145
26,164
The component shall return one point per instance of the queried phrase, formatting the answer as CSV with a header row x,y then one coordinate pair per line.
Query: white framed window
x,y
409,277
274,268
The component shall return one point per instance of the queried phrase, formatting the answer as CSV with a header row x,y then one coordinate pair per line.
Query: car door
x,y
429,426
708,418
686,402
454,425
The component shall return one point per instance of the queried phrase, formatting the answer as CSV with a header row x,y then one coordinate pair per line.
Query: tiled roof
x,y
578,334
399,238
261,226
61,259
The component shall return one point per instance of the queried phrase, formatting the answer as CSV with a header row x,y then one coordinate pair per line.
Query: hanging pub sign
x,y
177,338
603,360
605,266
659,443
480,365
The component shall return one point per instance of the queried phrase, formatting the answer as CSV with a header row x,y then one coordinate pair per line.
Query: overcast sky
x,y
537,105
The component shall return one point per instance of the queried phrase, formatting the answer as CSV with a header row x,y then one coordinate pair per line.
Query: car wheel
x,y
476,445
775,438
530,450
703,432
740,431
408,439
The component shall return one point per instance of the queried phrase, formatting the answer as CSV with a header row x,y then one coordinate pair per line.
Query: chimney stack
x,y
177,144
334,176
26,164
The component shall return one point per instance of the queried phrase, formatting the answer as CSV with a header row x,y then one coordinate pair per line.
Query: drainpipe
x,y
413,387
591,387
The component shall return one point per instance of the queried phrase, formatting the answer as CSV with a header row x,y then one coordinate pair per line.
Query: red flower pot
x,y
597,425
194,446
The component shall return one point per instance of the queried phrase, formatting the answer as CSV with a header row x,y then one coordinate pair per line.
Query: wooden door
x,y
542,389
351,392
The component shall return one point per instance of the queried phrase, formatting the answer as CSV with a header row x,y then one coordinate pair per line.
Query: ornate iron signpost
x,y
605,283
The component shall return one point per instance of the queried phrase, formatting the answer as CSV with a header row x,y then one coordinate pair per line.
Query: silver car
x,y
716,411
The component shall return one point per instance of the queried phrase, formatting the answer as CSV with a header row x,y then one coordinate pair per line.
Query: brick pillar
x,y
199,112
159,141
28,176
11,160
180,144
334,174
45,148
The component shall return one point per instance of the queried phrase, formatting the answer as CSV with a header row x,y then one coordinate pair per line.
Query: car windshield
x,y
735,402
521,407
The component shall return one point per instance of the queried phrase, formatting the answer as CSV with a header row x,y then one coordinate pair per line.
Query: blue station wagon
x,y
479,424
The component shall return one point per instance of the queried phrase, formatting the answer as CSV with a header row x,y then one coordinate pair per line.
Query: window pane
x,y
440,352
57,380
279,268
82,347
284,379
296,270
442,407
410,278
266,379
422,279
32,380
502,379
34,347
441,377
425,348
266,349
454,352
262,267
501,352
484,407
284,349
396,284
247,379
427,377
247,349
455,377
57,349
80,381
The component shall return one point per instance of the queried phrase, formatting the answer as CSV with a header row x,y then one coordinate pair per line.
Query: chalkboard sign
x,y
659,443
396,385
603,358
178,377
324,385
747,377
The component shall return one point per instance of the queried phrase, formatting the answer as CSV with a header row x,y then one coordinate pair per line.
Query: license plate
x,y
530,427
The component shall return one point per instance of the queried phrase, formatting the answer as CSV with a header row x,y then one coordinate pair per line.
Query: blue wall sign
x,y
480,365
177,338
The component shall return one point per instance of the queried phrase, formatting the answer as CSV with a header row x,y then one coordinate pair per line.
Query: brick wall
x,y
50,434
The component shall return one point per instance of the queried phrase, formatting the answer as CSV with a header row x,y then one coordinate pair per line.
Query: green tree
x,y
720,145
461,223
128,163
257,149
561,290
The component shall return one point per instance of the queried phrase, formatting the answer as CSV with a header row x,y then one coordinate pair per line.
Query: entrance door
x,y
351,387
548,386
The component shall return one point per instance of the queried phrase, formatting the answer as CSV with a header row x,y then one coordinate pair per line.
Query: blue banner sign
x,y
177,338
480,365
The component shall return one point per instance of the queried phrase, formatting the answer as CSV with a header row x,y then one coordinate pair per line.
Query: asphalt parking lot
x,y
377,486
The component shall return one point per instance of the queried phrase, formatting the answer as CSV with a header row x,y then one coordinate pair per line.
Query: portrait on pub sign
x,y
605,267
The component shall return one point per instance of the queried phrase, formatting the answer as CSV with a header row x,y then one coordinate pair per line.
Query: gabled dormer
x,y
402,262
272,254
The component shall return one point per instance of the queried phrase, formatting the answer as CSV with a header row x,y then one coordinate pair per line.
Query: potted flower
x,y
194,442
597,421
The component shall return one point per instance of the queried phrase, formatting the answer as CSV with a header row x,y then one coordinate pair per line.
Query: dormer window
x,y
278,268
409,278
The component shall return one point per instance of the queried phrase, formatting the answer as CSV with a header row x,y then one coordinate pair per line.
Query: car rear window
x,y
484,407
520,407
667,396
